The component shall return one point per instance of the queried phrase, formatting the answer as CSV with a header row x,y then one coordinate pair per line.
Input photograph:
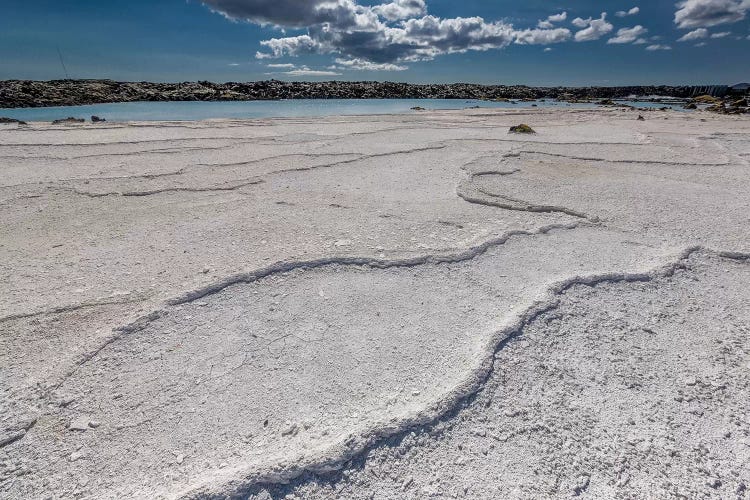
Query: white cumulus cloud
x,y
628,35
542,36
363,65
658,47
694,35
387,35
401,9
626,13
594,29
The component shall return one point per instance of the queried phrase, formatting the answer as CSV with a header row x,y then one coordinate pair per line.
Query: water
x,y
178,111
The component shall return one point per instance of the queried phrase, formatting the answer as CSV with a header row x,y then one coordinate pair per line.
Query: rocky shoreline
x,y
26,93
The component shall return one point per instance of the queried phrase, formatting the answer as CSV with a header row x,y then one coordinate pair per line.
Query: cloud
x,y
596,29
234,64
281,66
548,49
707,13
290,45
549,23
694,35
557,18
305,71
412,40
361,64
290,13
311,72
625,13
542,36
386,36
628,35
658,47
721,35
401,9
701,44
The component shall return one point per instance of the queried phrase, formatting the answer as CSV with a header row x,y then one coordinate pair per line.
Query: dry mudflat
x,y
396,306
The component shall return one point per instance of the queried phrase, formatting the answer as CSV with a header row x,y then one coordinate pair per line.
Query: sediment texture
x,y
376,307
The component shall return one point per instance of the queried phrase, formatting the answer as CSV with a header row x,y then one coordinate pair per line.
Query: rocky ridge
x,y
26,93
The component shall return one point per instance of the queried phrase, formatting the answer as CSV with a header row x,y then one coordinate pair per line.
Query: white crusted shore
x,y
393,306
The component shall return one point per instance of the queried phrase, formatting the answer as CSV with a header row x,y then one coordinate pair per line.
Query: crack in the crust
x,y
182,170
241,482
287,266
163,151
605,160
232,187
502,173
70,308
522,206
20,433
244,182
118,143
464,188
550,143
269,158
444,258
531,207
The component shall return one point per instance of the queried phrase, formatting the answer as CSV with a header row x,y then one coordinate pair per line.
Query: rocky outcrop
x,y
68,120
5,120
25,93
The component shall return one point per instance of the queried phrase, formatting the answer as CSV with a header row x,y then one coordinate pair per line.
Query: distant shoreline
x,y
30,94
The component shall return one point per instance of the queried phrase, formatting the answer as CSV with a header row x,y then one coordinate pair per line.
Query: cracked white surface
x,y
227,303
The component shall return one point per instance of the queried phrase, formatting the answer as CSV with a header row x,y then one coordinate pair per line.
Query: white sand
x,y
377,307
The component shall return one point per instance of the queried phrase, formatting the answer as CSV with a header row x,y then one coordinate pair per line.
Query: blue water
x,y
167,111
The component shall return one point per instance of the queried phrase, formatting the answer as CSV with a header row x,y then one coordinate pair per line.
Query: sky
x,y
533,42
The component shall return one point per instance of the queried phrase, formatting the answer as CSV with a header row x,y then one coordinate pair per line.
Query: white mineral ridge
x,y
407,306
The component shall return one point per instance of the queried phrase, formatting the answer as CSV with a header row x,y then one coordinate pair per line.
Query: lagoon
x,y
292,108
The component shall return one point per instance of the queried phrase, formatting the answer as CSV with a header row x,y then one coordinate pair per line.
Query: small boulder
x,y
70,119
641,118
706,99
690,105
522,129
418,108
4,119
96,119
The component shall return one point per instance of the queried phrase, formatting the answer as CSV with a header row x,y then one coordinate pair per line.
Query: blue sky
x,y
536,42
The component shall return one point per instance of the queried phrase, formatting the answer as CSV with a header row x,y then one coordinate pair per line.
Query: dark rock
x,y
96,119
418,108
69,119
641,118
522,129
3,119
690,105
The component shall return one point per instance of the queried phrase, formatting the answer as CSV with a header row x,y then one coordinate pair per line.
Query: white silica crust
x,y
400,306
